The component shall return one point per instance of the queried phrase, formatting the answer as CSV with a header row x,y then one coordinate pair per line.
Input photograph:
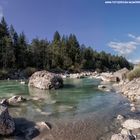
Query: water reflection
x,y
40,94
79,96
51,102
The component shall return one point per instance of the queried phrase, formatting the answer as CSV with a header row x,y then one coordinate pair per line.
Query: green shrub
x,y
135,73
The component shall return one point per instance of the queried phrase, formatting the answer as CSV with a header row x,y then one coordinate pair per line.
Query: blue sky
x,y
113,28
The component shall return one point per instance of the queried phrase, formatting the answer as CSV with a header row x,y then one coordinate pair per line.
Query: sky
x,y
114,28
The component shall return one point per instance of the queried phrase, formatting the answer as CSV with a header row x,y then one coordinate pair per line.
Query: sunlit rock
x,y
13,100
45,80
120,117
121,74
122,137
7,125
131,124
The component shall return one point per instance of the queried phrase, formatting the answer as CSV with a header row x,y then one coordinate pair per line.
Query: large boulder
x,y
121,74
45,80
108,77
7,125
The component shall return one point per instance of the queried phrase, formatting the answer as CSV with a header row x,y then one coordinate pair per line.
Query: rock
x,y
138,98
122,137
45,80
7,125
133,109
43,125
35,131
4,102
125,132
77,75
30,133
22,82
109,77
131,124
105,88
101,86
120,117
135,132
132,105
13,100
121,74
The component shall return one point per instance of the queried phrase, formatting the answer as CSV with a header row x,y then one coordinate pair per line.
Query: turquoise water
x,y
79,97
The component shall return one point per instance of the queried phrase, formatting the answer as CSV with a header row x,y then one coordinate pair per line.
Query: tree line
x,y
63,53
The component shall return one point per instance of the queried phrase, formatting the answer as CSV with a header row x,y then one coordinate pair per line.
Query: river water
x,y
79,110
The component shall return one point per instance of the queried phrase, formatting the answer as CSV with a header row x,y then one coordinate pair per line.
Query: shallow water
x,y
79,100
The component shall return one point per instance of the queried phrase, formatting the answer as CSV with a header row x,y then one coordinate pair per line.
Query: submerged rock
x,y
33,132
7,124
13,100
45,80
43,125
106,88
16,99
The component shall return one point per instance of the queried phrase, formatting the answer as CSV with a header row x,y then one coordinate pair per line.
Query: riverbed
x,y
79,111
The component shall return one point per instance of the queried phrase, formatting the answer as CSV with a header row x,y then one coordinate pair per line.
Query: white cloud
x,y
135,61
125,48
132,36
137,39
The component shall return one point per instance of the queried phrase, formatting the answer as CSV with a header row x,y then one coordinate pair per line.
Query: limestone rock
x,y
109,77
16,99
7,125
133,109
122,137
131,124
105,88
121,74
45,80
120,117
13,100
43,125
125,132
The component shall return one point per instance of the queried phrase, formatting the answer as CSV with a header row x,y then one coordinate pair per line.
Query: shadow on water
x,y
68,86
24,130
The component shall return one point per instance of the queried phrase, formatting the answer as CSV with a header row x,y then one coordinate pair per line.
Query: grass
x,y
135,73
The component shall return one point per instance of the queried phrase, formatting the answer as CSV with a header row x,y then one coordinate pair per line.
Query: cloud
x,y
132,36
137,39
125,48
135,61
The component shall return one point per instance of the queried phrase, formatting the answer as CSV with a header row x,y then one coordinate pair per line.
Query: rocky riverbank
x,y
131,89
129,125
86,126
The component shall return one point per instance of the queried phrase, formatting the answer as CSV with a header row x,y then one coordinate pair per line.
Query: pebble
x,y
120,117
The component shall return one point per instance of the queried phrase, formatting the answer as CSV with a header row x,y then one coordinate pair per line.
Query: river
x,y
79,110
